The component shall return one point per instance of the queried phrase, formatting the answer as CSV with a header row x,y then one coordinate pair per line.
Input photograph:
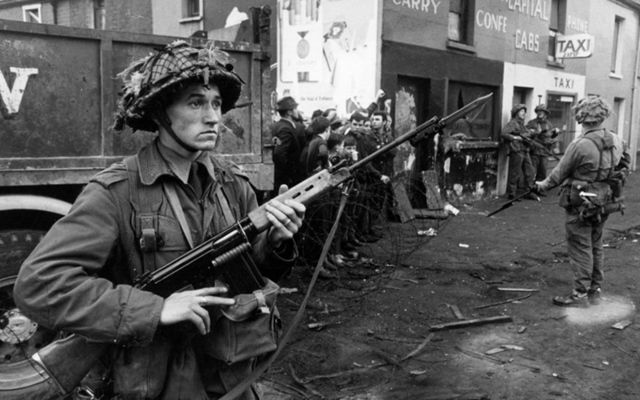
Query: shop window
x,y
616,48
99,14
556,27
32,13
478,124
461,21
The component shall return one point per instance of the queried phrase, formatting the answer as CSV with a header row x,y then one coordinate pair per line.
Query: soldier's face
x,y
541,115
195,115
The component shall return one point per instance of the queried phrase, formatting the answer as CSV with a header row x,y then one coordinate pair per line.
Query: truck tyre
x,y
19,377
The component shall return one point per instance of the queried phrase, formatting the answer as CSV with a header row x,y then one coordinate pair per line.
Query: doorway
x,y
561,117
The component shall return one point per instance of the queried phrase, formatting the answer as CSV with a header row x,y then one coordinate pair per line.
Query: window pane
x,y
454,27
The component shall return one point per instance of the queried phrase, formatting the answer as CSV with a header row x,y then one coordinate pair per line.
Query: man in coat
x,y
142,213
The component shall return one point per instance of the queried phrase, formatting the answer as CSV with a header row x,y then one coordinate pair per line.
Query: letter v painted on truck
x,y
12,97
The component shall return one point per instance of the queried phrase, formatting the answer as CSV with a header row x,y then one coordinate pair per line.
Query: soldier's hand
x,y
385,179
190,306
538,187
286,218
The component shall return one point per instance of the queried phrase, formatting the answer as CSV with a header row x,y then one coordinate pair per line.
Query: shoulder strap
x,y
600,146
174,201
227,214
145,203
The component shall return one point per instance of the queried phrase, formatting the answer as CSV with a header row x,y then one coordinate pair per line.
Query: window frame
x,y
616,48
28,8
188,15
465,24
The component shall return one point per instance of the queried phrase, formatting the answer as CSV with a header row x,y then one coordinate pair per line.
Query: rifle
x,y
65,362
539,146
510,202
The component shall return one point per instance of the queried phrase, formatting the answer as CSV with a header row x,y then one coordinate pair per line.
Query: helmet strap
x,y
162,119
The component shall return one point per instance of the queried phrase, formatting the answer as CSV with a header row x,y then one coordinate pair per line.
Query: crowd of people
x,y
304,147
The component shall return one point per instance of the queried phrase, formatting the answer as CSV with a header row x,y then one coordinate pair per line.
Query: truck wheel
x,y
20,337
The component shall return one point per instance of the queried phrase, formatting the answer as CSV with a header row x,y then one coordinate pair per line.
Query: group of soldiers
x,y
303,148
529,146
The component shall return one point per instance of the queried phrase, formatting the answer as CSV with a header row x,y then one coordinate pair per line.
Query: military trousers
x,y
584,245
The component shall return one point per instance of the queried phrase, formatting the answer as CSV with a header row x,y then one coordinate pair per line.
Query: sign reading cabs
x,y
574,46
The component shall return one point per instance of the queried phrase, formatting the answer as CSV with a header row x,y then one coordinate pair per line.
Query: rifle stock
x,y
68,360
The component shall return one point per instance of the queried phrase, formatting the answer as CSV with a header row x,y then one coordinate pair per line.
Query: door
x,y
561,117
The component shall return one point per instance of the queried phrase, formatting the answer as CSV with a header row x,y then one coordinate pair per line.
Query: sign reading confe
x,y
574,46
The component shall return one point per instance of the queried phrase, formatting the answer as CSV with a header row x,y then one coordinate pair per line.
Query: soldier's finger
x,y
211,290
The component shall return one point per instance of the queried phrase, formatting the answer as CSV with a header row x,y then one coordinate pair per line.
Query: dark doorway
x,y
411,109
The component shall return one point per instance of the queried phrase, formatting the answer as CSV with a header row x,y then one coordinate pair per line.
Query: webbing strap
x,y
600,148
145,202
227,214
174,201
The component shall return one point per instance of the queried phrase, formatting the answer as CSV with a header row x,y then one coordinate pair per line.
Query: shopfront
x,y
437,83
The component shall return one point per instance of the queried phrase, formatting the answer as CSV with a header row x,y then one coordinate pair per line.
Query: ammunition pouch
x,y
248,329
593,200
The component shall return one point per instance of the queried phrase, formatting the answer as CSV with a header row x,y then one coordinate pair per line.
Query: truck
x,y
58,96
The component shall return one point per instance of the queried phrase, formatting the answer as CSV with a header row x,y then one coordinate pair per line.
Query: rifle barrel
x,y
433,123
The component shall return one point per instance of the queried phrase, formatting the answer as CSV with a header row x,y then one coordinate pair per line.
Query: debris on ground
x,y
471,322
620,325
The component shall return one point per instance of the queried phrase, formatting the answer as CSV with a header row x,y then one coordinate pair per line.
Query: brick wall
x,y
129,15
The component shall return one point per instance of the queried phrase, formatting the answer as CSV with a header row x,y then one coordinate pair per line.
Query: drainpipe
x,y
633,135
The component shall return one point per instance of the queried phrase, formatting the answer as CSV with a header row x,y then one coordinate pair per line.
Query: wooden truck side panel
x,y
59,97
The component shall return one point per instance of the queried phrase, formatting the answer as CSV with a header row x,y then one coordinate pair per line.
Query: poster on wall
x,y
327,53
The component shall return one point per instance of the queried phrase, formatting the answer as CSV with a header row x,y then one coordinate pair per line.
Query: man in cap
x,y
289,139
541,130
520,170
140,214
594,156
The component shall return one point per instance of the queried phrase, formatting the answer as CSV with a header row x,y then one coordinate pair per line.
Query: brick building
x,y
116,15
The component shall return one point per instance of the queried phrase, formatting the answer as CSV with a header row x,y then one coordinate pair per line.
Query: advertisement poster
x,y
327,53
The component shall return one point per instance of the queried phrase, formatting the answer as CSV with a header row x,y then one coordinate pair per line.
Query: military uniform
x,y
544,133
583,161
520,169
80,277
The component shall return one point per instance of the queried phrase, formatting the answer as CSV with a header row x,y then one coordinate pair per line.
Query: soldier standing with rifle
x,y
544,135
139,215
593,166
520,171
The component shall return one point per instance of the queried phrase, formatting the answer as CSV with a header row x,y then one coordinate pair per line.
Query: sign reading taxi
x,y
579,45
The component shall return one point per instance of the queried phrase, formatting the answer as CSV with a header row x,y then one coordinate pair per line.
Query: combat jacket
x,y
515,127
541,131
581,160
80,277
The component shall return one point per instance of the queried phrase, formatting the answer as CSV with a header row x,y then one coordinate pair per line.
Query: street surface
x,y
366,335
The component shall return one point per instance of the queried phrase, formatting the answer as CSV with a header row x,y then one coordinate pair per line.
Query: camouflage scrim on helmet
x,y
516,109
541,108
592,110
145,79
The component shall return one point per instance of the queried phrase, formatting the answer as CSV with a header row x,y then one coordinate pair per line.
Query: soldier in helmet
x,y
142,213
592,157
541,131
520,170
